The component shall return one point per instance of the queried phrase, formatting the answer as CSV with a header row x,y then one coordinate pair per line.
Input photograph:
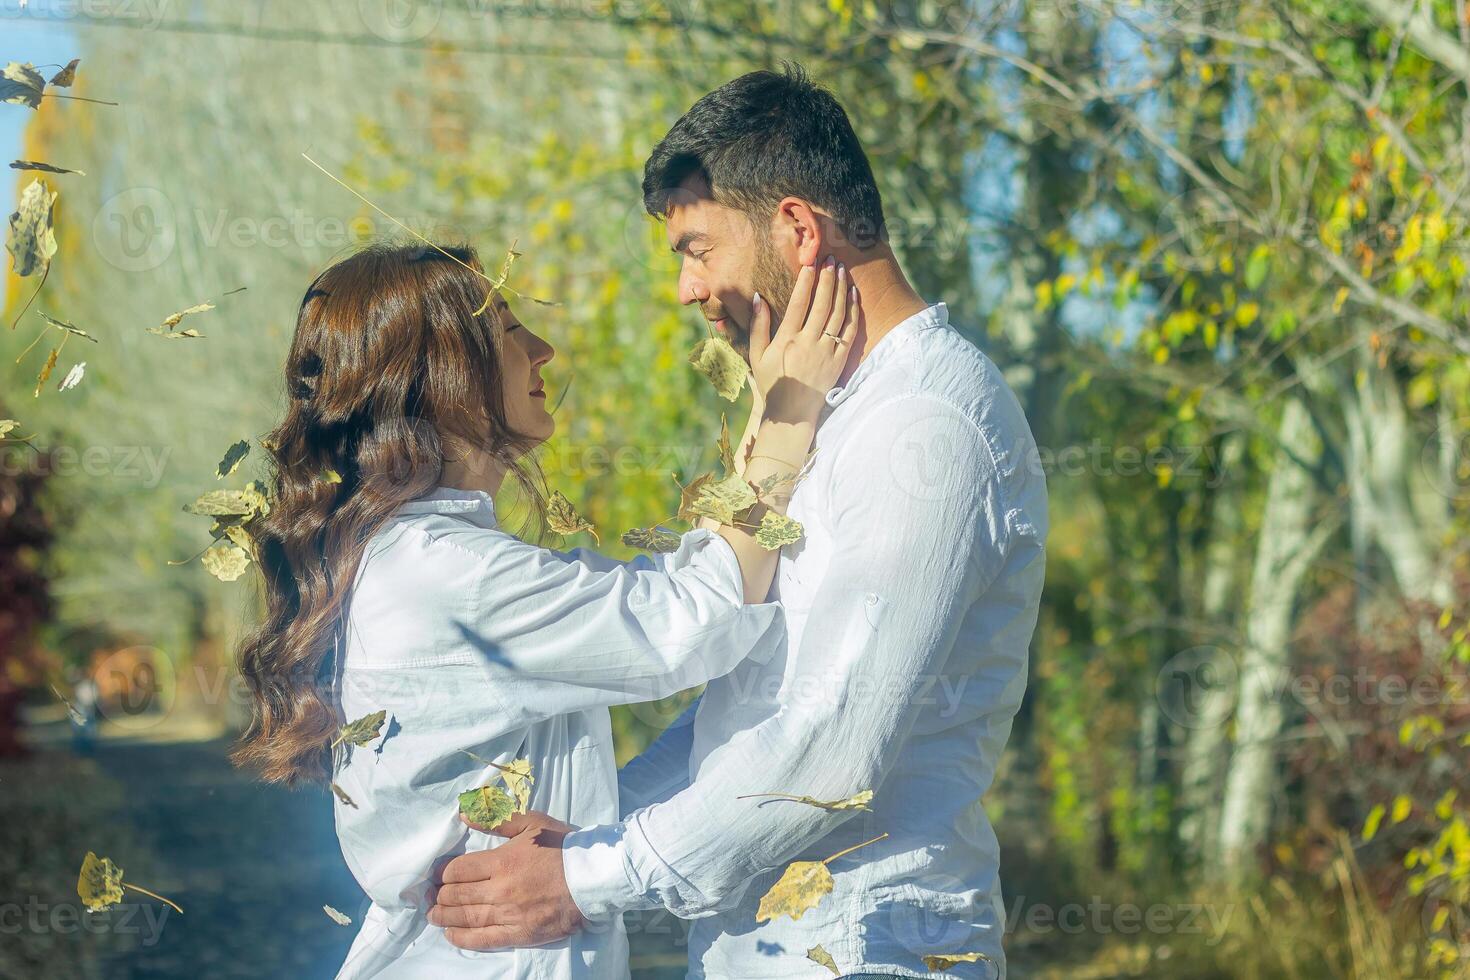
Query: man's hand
x,y
514,895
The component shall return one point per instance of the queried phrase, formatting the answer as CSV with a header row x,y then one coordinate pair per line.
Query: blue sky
x,y
39,39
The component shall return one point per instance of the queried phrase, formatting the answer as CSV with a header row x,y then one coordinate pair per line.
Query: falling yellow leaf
x,y
819,955
46,370
232,458
691,493
362,731
7,426
944,961
338,917
654,539
73,377
32,240
342,796
802,886
100,885
67,75
714,358
517,776
21,84
777,530
226,562
726,501
563,518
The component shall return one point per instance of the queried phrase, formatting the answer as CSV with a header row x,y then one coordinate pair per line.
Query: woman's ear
x,y
801,226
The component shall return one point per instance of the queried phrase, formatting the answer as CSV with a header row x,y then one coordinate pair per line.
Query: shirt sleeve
x,y
918,540
601,632
662,769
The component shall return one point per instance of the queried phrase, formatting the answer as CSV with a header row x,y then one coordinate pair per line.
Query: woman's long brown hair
x,y
388,362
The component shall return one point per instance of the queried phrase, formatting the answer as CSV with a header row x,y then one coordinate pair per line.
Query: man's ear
x,y
799,230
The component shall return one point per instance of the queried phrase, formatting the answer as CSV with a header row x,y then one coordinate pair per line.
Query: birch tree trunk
x,y
1292,535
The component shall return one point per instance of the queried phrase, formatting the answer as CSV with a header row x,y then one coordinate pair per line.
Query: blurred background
x,y
1218,250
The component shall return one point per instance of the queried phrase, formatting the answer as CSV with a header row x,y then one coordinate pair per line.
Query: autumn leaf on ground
x,y
943,961
654,539
46,168
63,325
32,239
819,955
714,358
563,518
100,885
858,801
338,917
342,796
517,776
46,369
67,75
21,84
486,806
802,886
362,731
73,377
226,562
232,458
726,500
777,530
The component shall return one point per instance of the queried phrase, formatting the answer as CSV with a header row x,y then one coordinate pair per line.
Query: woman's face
x,y
525,396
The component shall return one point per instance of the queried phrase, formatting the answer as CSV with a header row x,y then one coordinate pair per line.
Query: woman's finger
x,y
840,294
760,327
816,317
800,302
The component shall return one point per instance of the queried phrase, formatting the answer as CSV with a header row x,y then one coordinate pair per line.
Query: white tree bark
x,y
1291,537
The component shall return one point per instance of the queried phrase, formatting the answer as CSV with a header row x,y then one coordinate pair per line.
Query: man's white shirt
x,y
909,606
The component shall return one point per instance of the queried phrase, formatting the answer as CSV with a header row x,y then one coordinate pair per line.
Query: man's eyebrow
x,y
687,239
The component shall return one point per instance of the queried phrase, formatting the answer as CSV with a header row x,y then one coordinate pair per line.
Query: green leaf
x,y
714,358
486,806
1257,266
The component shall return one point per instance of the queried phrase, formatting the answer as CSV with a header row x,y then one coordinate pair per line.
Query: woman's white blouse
x,y
476,642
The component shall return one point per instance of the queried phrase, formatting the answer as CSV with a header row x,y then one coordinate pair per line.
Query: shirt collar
x,y
885,350
476,505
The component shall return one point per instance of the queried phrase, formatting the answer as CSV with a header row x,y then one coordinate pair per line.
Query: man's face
x,y
725,261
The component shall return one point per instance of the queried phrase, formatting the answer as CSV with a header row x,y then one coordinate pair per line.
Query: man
x,y
909,606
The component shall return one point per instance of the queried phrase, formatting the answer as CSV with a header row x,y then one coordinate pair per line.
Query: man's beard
x,y
775,282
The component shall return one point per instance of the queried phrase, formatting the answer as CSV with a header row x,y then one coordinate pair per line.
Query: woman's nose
x,y
545,351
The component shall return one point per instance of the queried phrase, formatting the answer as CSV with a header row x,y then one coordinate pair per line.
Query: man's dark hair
x,y
762,137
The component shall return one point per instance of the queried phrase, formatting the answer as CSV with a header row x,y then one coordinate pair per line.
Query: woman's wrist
x,y
792,407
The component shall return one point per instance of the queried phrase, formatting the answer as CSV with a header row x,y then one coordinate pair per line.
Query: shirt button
x,y
872,599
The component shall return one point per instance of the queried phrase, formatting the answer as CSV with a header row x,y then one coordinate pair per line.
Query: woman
x,y
392,587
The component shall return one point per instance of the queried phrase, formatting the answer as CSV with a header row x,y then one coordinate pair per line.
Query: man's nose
x,y
692,289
